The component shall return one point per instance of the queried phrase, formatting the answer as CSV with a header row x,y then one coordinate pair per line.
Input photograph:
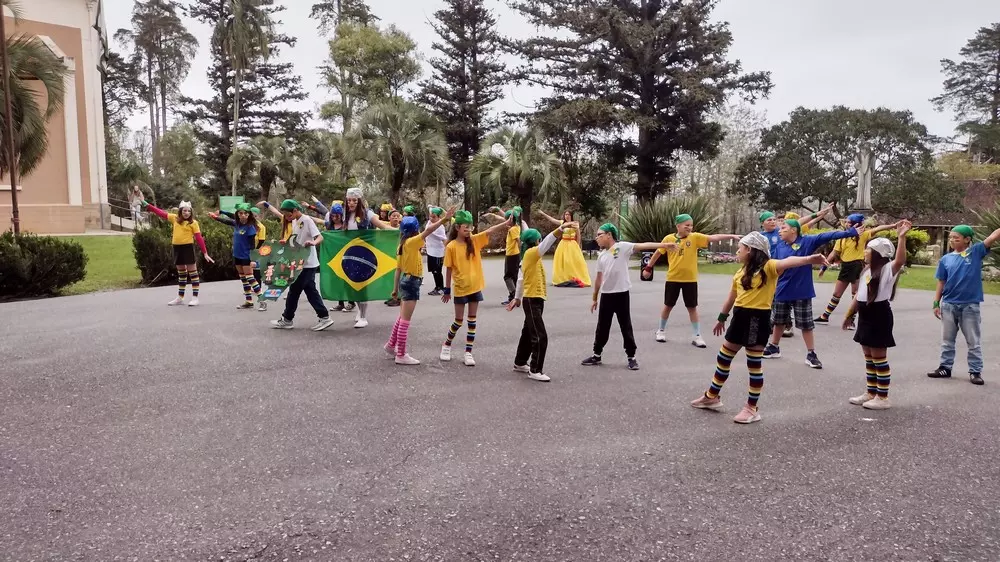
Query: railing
x,y
123,218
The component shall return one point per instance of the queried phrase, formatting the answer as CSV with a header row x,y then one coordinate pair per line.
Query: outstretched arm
x,y
992,238
155,210
433,226
883,227
223,218
900,259
505,224
647,246
270,208
799,261
722,237
550,218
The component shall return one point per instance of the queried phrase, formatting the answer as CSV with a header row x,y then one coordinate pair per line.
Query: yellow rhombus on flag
x,y
358,265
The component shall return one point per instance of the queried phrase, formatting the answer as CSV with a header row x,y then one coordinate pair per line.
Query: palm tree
x,y
515,163
245,37
404,146
270,158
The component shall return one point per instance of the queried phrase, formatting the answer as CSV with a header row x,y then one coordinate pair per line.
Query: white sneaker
x,y
661,336
361,323
407,360
282,324
859,400
445,353
539,377
390,352
876,404
323,324
194,302
470,361
521,369
262,306
697,341
176,301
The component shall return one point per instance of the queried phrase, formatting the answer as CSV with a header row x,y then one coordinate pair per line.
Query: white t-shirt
x,y
304,229
436,241
353,224
885,283
613,263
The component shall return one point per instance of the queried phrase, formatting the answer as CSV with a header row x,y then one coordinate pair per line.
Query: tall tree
x,y
266,96
467,77
514,163
660,66
267,158
331,13
972,90
123,90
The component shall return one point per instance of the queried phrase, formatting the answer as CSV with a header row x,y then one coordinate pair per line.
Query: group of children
x,y
772,287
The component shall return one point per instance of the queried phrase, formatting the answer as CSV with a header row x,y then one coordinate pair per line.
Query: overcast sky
x,y
859,53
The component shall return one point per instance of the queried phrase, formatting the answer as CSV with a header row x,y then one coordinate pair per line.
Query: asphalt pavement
x,y
134,431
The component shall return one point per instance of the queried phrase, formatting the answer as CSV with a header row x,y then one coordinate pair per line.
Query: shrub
x,y
651,222
38,266
916,242
988,222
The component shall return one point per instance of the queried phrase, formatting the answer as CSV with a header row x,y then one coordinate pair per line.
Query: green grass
x,y
110,264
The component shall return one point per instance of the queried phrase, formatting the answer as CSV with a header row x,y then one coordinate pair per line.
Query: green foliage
x,y
989,221
331,13
916,242
38,266
651,222
515,164
266,158
180,163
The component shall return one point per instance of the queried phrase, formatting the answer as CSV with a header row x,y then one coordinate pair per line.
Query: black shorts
x,y
875,325
850,271
750,327
474,297
673,289
239,261
184,254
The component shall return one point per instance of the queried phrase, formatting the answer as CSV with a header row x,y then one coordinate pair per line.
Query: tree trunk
x,y
645,191
236,120
525,197
153,131
398,175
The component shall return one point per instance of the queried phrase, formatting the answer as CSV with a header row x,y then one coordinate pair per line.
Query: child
x,y
512,254
244,237
682,274
956,303
464,266
334,220
753,289
531,293
185,233
875,315
435,252
395,217
306,234
359,217
409,275
612,286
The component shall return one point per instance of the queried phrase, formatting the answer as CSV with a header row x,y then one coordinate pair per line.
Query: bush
x,y
988,221
651,222
38,266
916,242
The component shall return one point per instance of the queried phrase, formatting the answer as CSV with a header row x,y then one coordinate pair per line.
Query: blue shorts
x,y
409,287
474,297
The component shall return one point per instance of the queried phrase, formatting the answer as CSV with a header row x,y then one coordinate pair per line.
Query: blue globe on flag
x,y
359,264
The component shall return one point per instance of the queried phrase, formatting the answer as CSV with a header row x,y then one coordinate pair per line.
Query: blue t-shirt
x,y
962,274
772,238
243,240
797,283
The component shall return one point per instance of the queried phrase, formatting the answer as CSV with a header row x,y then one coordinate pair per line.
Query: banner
x,y
358,265
279,265
228,202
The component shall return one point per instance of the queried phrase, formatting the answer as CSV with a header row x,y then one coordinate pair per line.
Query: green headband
x,y
255,210
964,230
766,215
463,217
290,205
682,218
438,211
408,210
610,229
531,236
794,224
243,207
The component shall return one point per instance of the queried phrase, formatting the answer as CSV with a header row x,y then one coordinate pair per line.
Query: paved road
x,y
133,431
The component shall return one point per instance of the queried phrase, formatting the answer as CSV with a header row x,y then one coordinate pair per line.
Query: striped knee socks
x,y
871,379
882,374
195,282
394,336
404,330
723,362
453,331
182,280
246,288
470,335
254,284
755,365
830,307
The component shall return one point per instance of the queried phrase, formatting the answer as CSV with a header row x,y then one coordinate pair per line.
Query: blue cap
x,y
856,218
337,209
410,225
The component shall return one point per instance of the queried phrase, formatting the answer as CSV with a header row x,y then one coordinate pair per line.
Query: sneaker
x,y
194,302
521,369
262,306
862,398
390,352
976,379
633,365
787,333
282,324
361,323
470,361
541,377
245,306
852,326
940,373
445,353
338,308
349,307
592,361
505,303
747,415
706,403
876,404
407,360
772,351
392,302
822,320
434,293
697,341
322,324
813,360
176,301
661,336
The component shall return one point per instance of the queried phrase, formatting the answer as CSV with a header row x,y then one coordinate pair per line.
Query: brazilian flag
x,y
358,265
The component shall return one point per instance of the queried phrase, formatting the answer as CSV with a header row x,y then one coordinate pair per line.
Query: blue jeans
x,y
306,281
965,317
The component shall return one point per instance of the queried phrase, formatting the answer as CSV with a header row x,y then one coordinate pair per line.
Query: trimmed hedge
x,y
38,266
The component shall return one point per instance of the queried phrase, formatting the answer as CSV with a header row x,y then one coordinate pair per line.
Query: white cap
x,y
184,205
758,241
883,246
354,192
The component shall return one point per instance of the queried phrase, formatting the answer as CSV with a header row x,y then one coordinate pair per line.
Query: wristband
x,y
814,215
266,204
723,317
823,268
937,304
447,291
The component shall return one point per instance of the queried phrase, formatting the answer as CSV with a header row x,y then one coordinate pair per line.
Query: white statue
x,y
863,164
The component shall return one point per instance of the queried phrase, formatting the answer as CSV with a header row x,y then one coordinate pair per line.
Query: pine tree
x,y
265,96
972,89
659,67
467,78
331,13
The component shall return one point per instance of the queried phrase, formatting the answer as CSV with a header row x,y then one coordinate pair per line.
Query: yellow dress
x,y
569,265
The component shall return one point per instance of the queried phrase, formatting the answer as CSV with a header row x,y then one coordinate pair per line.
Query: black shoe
x,y
505,303
821,320
633,365
813,360
975,379
434,293
940,373
592,361
338,308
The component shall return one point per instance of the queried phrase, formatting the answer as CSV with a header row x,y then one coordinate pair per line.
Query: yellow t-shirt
x,y
410,262
534,274
183,231
683,262
513,241
849,251
466,272
261,232
760,295
287,232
